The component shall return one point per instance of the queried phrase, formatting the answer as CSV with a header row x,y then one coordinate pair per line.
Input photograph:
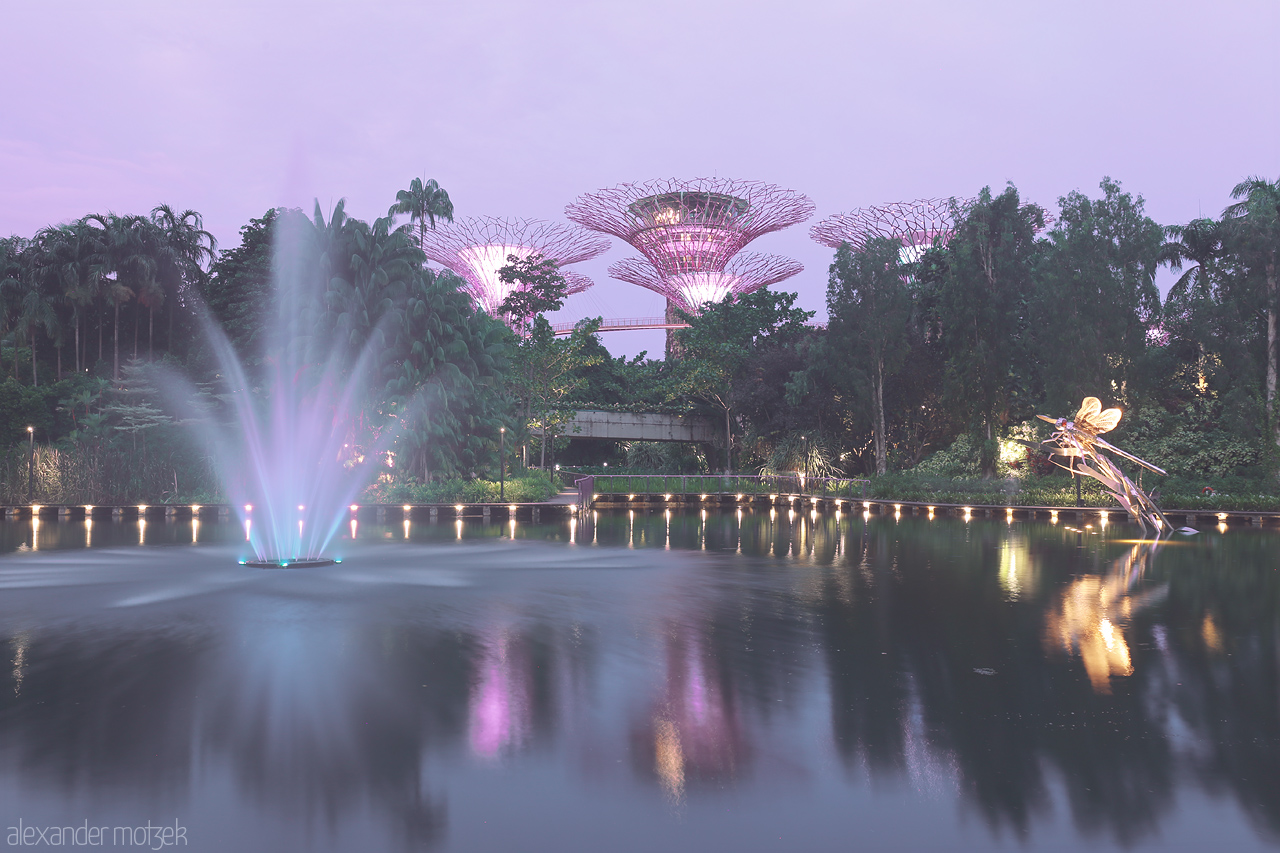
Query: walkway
x,y
627,324
637,426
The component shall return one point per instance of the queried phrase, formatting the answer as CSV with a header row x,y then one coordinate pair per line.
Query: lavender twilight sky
x,y
517,108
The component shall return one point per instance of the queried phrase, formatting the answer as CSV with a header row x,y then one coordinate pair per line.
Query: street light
x,y
502,463
31,463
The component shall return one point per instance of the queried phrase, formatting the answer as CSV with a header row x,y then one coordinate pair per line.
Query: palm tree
x,y
13,260
1198,243
35,302
41,286
66,252
424,202
125,266
79,279
184,250
1254,225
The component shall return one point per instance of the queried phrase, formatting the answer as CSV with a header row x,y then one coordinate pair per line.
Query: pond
x,y
677,681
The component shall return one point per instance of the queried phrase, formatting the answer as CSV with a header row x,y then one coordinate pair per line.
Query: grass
x,y
528,488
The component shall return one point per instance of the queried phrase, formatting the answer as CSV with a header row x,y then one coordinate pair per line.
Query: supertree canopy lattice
x,y
692,226
476,248
917,225
744,273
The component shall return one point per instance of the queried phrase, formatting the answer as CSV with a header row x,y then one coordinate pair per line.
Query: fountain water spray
x,y
301,446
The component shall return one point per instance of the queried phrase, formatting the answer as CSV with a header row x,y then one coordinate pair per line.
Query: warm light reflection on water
x,y
1094,611
669,758
1017,568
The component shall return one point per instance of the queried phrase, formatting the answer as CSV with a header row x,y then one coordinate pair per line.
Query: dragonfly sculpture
x,y
1079,439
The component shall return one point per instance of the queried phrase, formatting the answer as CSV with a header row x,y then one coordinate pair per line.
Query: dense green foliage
x,y
932,364
341,287
529,488
1010,319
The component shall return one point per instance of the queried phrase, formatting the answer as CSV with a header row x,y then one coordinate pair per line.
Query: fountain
x,y
296,452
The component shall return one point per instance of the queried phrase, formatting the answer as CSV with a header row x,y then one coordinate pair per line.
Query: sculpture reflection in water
x,y
1079,439
1093,612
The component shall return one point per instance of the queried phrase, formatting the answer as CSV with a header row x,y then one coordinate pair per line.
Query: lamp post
x,y
502,464
31,463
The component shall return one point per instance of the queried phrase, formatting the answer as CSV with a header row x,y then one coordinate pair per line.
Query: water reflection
x,y
694,729
1093,612
501,697
1051,681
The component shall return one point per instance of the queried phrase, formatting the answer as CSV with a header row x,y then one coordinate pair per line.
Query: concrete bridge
x,y
646,426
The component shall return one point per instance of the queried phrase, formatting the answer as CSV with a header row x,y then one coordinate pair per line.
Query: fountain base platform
x,y
291,563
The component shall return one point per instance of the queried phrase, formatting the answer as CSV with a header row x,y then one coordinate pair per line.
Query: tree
x,y
237,292
981,313
451,358
869,306
1254,227
640,381
124,265
425,203
1094,298
536,287
79,282
420,362
13,263
548,371
183,250
39,286
722,341
1192,306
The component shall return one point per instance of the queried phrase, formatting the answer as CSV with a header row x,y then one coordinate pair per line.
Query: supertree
x,y
745,273
916,225
690,231
476,248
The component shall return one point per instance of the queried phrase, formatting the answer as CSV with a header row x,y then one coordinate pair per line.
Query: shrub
x,y
528,488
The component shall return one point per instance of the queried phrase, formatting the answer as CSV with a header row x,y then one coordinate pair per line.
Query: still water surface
x,y
680,682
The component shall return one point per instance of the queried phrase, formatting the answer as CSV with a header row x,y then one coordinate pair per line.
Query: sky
x,y
516,108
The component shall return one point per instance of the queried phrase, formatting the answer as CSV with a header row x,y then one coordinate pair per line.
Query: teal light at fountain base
x,y
295,563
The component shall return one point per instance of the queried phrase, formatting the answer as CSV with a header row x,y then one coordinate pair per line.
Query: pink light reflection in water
x,y
500,707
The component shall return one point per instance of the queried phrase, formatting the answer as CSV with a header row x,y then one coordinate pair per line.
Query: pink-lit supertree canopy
x,y
917,225
476,248
690,231
743,274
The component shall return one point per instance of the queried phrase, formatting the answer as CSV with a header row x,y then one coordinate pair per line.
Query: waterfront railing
x,y
648,485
